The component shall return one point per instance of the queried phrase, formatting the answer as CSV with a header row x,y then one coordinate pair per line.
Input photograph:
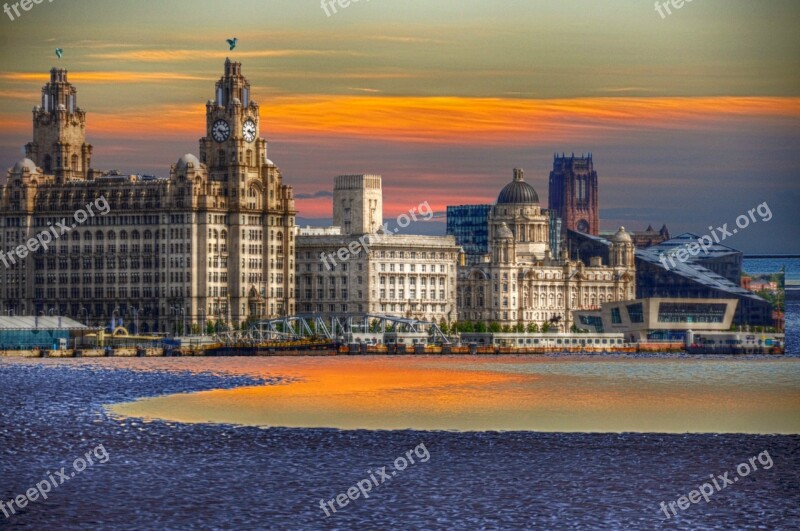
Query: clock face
x,y
220,131
249,130
583,226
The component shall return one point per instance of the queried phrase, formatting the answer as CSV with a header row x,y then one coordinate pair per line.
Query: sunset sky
x,y
692,119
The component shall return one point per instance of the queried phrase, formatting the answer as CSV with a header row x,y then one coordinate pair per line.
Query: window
x,y
615,316
636,312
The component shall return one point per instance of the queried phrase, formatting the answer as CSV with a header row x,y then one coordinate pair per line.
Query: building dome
x,y
517,191
504,233
25,164
185,160
622,237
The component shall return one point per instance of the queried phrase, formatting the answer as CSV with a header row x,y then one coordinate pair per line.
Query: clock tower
x,y
259,211
232,147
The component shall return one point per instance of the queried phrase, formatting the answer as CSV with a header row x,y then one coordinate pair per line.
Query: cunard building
x,y
213,241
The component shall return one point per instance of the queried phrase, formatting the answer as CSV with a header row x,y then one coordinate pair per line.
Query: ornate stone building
x,y
214,240
520,282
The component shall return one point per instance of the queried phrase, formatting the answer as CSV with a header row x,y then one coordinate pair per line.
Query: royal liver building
x,y
214,241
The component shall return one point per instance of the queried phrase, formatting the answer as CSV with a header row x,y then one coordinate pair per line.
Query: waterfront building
x,y
521,282
701,322
661,319
397,275
469,225
573,194
40,332
688,279
213,241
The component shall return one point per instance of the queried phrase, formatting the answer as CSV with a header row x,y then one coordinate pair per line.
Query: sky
x,y
693,117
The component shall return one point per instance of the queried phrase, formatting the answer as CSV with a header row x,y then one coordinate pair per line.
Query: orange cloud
x,y
115,77
447,119
467,120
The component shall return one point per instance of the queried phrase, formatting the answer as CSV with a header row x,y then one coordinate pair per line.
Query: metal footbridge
x,y
336,328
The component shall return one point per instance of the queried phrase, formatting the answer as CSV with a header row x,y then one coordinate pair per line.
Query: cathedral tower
x,y
573,194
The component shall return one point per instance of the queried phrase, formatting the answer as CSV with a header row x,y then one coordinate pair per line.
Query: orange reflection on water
x,y
462,393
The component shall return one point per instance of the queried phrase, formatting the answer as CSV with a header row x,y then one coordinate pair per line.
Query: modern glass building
x,y
663,319
470,226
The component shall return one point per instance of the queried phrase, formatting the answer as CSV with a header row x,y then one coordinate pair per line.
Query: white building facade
x,y
362,270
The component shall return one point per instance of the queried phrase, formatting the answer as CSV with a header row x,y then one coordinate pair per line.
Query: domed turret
x,y
25,165
622,237
187,159
518,191
504,233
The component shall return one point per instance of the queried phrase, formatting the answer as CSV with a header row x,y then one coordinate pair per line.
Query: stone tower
x,y
258,206
358,203
573,194
59,131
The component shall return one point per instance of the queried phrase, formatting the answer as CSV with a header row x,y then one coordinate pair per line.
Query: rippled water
x,y
167,475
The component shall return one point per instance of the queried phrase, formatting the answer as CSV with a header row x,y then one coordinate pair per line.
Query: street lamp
x,y
83,309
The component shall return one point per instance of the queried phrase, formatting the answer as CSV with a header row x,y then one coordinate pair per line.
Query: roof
x,y
29,322
691,271
517,191
681,241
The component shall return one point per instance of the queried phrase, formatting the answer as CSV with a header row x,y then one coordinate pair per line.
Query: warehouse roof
x,y
29,322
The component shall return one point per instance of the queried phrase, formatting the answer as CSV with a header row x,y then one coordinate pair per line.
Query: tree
x,y
545,328
533,328
519,327
506,329
494,327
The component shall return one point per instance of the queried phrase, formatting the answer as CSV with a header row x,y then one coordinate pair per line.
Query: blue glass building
x,y
470,226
